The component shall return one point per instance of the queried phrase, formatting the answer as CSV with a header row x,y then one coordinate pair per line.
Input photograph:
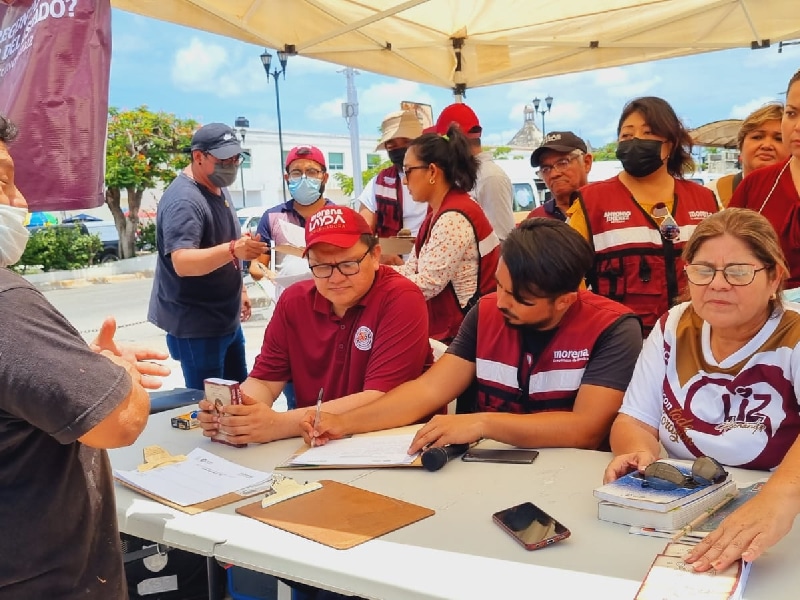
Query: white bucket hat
x,y
400,124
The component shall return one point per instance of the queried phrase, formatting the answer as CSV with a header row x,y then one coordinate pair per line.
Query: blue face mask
x,y
305,191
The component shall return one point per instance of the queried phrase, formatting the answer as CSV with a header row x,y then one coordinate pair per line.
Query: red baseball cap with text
x,y
306,152
339,226
462,115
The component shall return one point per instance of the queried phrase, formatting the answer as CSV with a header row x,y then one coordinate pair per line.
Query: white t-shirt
x,y
742,410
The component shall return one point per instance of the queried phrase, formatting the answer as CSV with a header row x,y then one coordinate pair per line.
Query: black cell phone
x,y
530,526
515,456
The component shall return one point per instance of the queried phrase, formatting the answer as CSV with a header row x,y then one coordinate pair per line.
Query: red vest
x,y
633,264
444,311
512,381
388,203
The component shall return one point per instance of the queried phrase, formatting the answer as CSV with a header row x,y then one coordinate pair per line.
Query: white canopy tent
x,y
471,43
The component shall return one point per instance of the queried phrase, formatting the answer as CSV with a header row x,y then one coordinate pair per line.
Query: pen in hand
x,y
316,416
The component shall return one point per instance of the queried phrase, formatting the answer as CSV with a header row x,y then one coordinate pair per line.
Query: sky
x,y
208,77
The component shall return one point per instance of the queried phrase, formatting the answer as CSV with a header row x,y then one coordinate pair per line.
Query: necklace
x,y
774,185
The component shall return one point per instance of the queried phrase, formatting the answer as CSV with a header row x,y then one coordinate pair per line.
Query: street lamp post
x,y
242,124
549,102
266,60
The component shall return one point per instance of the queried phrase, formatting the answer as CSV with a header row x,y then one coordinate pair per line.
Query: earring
x,y
431,181
773,296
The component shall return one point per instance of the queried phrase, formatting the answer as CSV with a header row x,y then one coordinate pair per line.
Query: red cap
x,y
336,225
307,152
463,116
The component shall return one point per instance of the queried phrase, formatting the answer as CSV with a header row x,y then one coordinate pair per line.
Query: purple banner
x,y
55,59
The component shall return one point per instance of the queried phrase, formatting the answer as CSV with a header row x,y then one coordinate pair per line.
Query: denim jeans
x,y
201,358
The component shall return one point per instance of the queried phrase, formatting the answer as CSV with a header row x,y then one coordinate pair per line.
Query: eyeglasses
x,y
233,161
734,274
407,170
558,166
311,173
664,476
667,225
346,267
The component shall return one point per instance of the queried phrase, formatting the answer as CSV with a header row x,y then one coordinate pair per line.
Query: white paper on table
x,y
367,450
293,234
202,476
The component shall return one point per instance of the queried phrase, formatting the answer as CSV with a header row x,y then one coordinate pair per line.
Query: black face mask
x,y
640,158
397,155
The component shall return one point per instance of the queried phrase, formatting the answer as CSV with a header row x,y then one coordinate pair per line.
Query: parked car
x,y
250,216
108,234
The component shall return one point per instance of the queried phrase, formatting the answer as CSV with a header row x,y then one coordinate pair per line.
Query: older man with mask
x,y
563,162
358,330
386,203
198,297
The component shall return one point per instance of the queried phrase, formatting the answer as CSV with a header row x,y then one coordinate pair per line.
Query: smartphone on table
x,y
517,456
530,526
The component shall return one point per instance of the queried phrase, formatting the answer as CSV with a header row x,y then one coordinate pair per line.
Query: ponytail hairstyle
x,y
452,153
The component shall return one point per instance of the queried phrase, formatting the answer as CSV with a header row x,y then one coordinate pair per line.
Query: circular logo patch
x,y
363,338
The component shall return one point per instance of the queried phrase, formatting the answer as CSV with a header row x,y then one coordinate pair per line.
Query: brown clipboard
x,y
338,515
193,509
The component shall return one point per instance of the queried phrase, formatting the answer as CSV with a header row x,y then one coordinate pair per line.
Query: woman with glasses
x,y
456,250
719,376
774,191
639,220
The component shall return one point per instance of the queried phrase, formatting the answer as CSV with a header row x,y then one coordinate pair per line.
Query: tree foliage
x,y
144,149
59,248
346,181
607,152
499,152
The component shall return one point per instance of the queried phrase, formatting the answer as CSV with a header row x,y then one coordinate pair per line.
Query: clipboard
x,y
338,515
194,509
156,457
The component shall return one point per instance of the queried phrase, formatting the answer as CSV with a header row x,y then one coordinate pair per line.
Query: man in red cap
x,y
493,189
306,176
358,330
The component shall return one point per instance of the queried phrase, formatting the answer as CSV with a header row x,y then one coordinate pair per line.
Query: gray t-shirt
x,y
57,516
190,216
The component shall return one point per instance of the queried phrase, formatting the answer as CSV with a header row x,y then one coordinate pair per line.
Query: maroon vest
x,y
444,311
388,202
633,264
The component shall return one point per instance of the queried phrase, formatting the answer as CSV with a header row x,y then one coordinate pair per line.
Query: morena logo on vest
x,y
571,355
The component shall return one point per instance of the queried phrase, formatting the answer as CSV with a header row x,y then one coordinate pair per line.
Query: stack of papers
x,y
358,452
201,477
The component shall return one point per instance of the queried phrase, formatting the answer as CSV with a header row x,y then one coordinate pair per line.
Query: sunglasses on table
x,y
664,476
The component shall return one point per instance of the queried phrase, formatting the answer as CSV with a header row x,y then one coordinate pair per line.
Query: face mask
x,y
223,176
640,158
396,156
13,234
305,191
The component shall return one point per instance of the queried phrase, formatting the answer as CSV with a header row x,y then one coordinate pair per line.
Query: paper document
x,y
366,451
294,234
202,476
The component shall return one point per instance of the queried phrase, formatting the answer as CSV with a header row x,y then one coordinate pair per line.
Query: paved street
x,y
86,307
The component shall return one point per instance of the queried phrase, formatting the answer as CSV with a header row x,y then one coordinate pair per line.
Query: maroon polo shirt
x,y
377,345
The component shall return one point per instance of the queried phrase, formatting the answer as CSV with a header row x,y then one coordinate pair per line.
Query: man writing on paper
x,y
551,362
62,403
355,332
